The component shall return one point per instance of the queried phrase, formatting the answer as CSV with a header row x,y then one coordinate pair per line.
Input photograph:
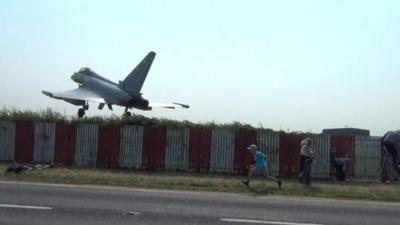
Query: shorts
x,y
261,167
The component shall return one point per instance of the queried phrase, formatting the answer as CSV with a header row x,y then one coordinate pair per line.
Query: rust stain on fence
x,y
7,141
177,149
86,145
268,143
131,146
222,150
44,142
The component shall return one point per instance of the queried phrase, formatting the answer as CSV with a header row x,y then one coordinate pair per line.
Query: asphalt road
x,y
29,204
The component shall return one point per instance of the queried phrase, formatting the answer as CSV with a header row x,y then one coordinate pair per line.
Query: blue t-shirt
x,y
259,157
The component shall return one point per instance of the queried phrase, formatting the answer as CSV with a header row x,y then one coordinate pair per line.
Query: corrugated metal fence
x,y
7,141
65,144
24,141
154,142
194,149
131,147
44,142
242,158
342,146
368,163
177,149
289,154
222,149
86,145
200,140
108,146
321,163
268,142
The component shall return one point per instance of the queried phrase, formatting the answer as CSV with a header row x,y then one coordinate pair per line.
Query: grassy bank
x,y
206,182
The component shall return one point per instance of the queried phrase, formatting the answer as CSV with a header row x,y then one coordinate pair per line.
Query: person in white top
x,y
307,154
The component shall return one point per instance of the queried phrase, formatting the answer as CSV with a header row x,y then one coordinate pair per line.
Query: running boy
x,y
260,165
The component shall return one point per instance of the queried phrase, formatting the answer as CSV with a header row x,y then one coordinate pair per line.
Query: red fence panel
x,y
154,144
200,149
289,154
242,157
65,144
108,147
24,141
342,146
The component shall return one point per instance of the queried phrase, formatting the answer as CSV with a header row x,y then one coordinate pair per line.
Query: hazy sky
x,y
291,65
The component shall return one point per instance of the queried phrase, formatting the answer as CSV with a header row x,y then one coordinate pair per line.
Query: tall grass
x,y
49,115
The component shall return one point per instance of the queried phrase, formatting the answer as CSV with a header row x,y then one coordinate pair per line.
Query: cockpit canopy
x,y
86,70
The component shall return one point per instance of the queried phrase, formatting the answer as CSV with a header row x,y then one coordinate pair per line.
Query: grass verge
x,y
206,182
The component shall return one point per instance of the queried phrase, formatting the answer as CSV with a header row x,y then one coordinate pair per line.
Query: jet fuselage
x,y
110,91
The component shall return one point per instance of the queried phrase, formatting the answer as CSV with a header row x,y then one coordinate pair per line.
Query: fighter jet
x,y
95,88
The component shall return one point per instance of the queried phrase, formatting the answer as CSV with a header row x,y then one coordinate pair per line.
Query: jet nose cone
x,y
73,77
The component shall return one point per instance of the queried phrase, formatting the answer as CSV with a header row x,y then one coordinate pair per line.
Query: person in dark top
x,y
391,141
341,165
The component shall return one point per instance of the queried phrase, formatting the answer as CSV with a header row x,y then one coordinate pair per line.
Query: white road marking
x,y
25,207
265,222
133,213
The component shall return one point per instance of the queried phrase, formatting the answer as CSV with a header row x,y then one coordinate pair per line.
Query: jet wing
x,y
79,94
173,105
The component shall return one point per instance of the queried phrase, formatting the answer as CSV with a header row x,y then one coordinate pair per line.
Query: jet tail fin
x,y
134,81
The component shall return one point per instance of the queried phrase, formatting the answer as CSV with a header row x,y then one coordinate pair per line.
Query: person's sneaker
x,y
245,182
279,183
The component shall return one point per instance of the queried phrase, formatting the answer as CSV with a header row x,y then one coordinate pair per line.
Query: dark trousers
x,y
391,159
305,170
390,147
340,174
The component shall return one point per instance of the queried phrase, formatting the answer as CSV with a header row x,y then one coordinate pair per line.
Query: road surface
x,y
30,204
